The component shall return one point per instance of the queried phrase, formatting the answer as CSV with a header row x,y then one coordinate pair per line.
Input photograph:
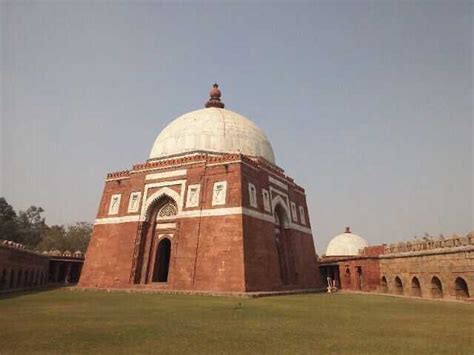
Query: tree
x,y
74,237
78,236
8,221
54,237
31,226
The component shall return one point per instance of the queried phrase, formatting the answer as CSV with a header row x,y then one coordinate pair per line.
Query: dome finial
x,y
215,97
348,230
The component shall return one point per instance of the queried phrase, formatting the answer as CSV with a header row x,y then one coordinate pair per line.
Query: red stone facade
x,y
354,273
202,222
360,274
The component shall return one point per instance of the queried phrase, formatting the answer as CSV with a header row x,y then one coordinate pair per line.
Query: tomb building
x,y
209,210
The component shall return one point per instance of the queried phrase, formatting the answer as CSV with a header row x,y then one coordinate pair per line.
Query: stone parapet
x,y
437,251
430,243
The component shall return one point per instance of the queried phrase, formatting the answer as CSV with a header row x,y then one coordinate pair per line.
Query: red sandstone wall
x,y
262,268
374,250
108,261
305,260
210,255
370,274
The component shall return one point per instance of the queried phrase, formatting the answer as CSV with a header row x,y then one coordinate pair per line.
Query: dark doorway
x,y
162,261
347,278
359,278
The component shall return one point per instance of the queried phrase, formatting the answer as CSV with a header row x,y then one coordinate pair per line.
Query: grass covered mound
x,y
61,321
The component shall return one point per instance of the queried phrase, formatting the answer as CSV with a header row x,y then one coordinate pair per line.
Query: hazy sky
x,y
368,105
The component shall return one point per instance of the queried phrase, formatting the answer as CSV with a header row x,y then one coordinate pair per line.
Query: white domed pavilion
x,y
346,244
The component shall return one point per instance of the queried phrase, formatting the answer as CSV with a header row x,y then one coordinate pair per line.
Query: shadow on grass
x,y
7,294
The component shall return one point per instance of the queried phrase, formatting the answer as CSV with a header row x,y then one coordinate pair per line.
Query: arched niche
x,y
415,287
436,287
383,284
165,193
280,206
281,215
461,289
398,286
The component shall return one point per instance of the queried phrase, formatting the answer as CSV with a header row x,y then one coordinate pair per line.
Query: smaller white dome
x,y
346,244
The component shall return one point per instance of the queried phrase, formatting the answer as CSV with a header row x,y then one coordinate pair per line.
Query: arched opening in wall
x,y
461,288
162,261
415,287
19,281
162,210
383,284
284,253
398,290
436,288
3,279
359,278
12,278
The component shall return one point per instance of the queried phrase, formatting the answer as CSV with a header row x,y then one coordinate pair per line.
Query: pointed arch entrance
x,y
283,245
155,241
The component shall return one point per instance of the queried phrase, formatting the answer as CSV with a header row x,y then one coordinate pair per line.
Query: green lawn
x,y
63,321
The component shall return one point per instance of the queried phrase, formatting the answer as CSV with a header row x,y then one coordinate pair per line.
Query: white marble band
x,y
229,211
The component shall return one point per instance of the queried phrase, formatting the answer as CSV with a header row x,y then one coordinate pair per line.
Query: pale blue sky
x,y
368,105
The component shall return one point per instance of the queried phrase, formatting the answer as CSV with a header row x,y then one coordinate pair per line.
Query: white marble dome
x,y
212,129
346,244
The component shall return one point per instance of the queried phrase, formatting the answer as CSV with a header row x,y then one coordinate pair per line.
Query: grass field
x,y
63,321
